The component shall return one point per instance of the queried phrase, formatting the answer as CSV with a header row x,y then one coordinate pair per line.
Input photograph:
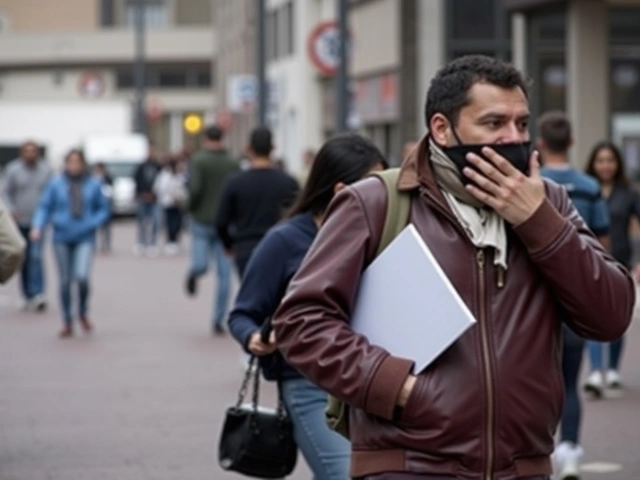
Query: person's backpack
x,y
396,219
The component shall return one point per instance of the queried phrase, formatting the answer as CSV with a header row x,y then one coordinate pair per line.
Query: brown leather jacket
x,y
488,407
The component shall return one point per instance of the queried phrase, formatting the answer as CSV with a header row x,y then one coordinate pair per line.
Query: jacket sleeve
x,y
43,212
597,293
12,245
101,207
262,288
312,324
195,186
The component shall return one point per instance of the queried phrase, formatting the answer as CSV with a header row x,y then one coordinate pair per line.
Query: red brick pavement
x,y
142,399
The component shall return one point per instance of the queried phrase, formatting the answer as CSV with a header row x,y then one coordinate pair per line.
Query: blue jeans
x,y
572,354
74,265
596,353
326,452
204,244
32,275
148,216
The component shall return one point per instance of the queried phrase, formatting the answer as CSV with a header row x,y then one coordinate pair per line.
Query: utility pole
x,y
342,78
261,61
139,67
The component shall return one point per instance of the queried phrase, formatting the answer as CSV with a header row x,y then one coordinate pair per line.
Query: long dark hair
x,y
620,177
345,158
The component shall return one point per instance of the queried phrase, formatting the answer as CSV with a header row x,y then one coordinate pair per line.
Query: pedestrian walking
x,y
254,200
148,213
101,172
24,181
76,207
342,161
208,171
605,164
171,192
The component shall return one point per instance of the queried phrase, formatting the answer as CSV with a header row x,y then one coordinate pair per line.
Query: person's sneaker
x,y
566,461
218,330
171,249
38,303
192,285
595,383
66,332
613,379
86,324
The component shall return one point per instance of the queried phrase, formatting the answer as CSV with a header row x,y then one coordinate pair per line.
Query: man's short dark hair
x,y
214,133
554,129
260,141
449,89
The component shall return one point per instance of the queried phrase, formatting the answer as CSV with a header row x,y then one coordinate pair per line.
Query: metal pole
x,y
342,79
261,59
139,67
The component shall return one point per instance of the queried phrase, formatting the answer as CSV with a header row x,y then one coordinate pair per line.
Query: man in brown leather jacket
x,y
519,255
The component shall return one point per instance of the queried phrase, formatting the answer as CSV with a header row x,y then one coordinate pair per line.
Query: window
x,y
4,22
289,24
106,13
160,76
478,27
172,78
271,35
154,13
473,19
625,85
623,25
552,83
203,77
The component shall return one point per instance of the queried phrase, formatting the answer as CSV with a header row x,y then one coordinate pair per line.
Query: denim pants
x,y
596,354
572,353
173,223
74,266
148,221
32,275
326,452
205,243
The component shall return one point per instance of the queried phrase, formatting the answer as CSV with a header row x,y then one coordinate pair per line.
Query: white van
x,y
121,155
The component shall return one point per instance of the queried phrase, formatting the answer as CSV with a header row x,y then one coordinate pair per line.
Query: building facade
x,y
584,58
81,52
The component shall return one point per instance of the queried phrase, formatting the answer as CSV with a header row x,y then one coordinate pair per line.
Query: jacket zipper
x,y
487,364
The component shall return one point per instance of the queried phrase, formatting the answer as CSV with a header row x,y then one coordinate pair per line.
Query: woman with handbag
x,y
343,160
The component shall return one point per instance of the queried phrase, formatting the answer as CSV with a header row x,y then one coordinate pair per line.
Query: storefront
x,y
584,58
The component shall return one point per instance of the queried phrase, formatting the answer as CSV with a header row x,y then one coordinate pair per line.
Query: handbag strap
x,y
252,373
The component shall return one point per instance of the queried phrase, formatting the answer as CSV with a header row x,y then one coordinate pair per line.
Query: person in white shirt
x,y
171,192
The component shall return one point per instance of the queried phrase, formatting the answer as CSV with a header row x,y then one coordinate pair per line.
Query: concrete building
x,y
81,52
234,23
584,56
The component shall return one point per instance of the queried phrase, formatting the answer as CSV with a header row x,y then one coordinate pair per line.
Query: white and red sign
x,y
323,47
91,84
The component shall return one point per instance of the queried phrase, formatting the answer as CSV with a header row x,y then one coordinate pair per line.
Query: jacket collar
x,y
416,173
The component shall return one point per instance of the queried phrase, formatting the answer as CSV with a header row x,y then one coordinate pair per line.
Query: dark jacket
x,y
208,172
273,262
489,406
624,203
145,178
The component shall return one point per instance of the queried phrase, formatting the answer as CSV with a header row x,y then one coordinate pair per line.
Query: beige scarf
x,y
484,227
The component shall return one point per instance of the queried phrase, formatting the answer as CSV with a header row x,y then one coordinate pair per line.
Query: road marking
x,y
601,467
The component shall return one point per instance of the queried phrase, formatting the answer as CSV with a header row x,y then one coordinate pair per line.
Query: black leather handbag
x,y
257,441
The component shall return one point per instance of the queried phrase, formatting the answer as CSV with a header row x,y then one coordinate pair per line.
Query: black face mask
x,y
515,153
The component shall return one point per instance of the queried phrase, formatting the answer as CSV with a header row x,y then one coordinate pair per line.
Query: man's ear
x,y
440,129
338,186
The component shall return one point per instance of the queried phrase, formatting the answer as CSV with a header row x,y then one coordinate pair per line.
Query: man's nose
x,y
513,134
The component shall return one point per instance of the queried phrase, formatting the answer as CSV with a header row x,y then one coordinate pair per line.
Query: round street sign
x,y
323,47
193,123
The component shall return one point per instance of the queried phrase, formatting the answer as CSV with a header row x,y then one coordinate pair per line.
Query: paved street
x,y
143,398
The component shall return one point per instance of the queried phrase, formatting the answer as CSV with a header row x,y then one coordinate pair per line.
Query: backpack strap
x,y
398,208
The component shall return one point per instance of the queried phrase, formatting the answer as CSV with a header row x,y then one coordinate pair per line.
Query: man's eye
x,y
494,124
523,126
